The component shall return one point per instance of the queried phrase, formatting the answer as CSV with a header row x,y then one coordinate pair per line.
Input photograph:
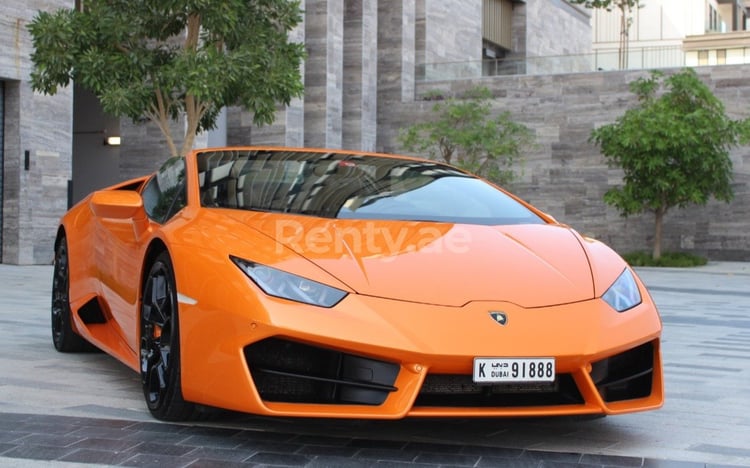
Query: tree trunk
x,y
163,124
624,33
194,108
658,219
187,143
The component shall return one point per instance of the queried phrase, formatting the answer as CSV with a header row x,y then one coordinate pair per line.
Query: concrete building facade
x,y
366,74
670,33
35,151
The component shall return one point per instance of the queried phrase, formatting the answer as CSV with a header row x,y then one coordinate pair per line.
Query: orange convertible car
x,y
301,282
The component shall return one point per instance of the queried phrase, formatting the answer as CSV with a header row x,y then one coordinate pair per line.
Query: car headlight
x,y
275,282
624,293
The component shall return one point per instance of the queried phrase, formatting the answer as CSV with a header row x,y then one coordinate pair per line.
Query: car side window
x,y
165,193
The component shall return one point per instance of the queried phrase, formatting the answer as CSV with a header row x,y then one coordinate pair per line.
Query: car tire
x,y
64,338
160,344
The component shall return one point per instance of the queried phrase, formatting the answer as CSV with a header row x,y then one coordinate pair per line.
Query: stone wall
x,y
34,195
566,175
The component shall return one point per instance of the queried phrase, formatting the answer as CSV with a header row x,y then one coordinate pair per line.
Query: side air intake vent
x,y
91,312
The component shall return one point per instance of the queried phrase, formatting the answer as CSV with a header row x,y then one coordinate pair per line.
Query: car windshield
x,y
341,185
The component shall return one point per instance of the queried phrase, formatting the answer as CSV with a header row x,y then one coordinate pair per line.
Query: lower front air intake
x,y
288,371
625,376
443,390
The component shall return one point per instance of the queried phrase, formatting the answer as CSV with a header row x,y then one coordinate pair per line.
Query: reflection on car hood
x,y
442,263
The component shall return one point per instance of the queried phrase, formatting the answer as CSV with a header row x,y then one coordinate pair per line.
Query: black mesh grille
x,y
443,390
288,371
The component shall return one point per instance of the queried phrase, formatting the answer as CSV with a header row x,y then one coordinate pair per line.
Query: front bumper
x,y
377,358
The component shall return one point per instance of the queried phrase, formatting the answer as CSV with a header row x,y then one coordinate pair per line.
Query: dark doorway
x,y
96,162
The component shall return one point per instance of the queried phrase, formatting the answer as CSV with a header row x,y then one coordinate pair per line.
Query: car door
x,y
122,243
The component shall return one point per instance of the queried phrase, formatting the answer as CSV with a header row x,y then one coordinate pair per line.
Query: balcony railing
x,y
600,60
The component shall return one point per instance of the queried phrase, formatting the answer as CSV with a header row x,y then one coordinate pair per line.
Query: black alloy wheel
x,y
160,344
63,337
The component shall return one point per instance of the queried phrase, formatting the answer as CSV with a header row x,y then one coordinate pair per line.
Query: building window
x,y
702,57
712,24
721,56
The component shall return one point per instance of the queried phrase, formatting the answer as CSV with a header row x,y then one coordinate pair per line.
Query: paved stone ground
x,y
66,409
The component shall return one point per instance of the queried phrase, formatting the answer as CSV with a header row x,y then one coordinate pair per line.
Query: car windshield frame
x,y
342,185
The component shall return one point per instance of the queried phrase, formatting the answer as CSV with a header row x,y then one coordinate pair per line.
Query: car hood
x,y
441,263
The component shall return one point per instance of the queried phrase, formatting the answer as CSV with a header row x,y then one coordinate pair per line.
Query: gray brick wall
x,y
567,176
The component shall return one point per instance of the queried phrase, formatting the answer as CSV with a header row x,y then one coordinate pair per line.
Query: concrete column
x,y
396,63
294,115
420,36
518,39
360,74
324,73
396,55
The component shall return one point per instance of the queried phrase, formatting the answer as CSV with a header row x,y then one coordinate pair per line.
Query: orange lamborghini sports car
x,y
338,284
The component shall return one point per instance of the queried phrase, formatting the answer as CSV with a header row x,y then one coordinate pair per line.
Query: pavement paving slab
x,y
71,410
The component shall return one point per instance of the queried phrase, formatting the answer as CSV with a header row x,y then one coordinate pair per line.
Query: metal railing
x,y
600,60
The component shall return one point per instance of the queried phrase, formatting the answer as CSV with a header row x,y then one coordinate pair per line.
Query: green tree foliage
x,y
165,59
626,8
673,148
466,135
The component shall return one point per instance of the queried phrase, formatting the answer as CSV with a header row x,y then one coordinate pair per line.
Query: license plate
x,y
490,370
